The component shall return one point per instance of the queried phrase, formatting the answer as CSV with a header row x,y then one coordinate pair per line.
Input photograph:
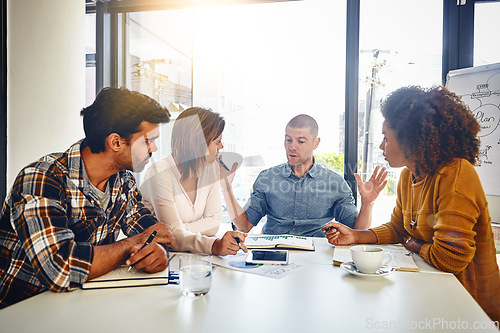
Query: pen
x,y
235,229
223,164
168,260
149,240
328,228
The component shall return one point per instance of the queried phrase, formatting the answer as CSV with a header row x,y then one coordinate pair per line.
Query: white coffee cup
x,y
368,259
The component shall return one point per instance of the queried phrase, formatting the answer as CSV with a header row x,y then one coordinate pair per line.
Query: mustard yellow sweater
x,y
454,221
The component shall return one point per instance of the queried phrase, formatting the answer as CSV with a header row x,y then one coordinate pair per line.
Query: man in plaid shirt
x,y
60,222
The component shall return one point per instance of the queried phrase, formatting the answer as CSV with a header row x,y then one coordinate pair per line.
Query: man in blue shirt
x,y
300,196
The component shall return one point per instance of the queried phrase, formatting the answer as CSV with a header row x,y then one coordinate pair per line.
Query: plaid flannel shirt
x,y
52,219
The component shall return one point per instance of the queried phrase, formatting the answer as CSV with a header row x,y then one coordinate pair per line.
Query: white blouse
x,y
193,224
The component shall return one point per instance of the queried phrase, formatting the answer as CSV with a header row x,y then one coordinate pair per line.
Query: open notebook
x,y
279,242
401,261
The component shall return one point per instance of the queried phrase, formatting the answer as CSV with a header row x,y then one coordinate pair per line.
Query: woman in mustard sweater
x,y
441,210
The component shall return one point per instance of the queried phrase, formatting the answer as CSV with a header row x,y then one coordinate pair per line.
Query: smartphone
x,y
273,257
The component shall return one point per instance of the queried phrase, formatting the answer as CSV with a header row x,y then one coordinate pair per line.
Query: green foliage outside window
x,y
390,188
332,161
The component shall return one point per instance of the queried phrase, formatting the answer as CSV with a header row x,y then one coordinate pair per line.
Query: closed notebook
x,y
120,277
279,242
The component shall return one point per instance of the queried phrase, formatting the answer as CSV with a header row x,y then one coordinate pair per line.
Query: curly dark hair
x,y
433,126
121,111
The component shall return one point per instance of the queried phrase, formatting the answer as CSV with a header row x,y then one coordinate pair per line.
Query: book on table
x,y
402,259
121,277
279,242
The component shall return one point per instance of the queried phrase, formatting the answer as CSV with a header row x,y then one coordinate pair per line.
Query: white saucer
x,y
382,271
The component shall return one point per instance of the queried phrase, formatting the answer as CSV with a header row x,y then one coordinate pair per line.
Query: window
x,y
258,65
486,25
90,61
394,52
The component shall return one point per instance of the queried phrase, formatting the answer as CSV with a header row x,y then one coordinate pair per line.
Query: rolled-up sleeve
x,y
257,207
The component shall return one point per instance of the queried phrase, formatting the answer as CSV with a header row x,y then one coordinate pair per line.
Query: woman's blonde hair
x,y
193,130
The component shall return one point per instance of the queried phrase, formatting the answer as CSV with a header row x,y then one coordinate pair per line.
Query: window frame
x,y
3,102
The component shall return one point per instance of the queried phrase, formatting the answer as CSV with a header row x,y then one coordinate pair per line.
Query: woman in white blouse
x,y
182,190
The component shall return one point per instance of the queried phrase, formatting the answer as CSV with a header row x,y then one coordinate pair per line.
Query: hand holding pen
x,y
328,229
339,234
226,174
221,162
151,256
229,244
238,240
149,240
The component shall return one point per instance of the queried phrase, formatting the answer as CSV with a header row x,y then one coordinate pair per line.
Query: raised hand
x,y
370,190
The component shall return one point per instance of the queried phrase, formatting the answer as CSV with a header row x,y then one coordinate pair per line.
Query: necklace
x,y
413,222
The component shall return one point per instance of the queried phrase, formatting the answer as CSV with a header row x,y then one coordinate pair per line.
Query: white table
x,y
317,298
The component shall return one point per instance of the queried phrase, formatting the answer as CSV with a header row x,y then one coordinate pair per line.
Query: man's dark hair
x,y
121,111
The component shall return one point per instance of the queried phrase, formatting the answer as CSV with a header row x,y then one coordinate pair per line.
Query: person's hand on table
x,y
153,257
370,190
338,234
230,243
414,245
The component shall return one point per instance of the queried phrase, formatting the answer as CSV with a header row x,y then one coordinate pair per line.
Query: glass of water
x,y
195,274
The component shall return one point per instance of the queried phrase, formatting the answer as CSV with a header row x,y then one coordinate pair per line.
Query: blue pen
x,y
328,228
149,240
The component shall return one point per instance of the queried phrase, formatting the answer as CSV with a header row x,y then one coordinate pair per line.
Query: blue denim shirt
x,y
300,206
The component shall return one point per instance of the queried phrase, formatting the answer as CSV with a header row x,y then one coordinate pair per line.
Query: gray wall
x,y
45,78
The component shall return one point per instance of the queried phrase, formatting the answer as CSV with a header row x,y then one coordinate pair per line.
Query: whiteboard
x,y
479,88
